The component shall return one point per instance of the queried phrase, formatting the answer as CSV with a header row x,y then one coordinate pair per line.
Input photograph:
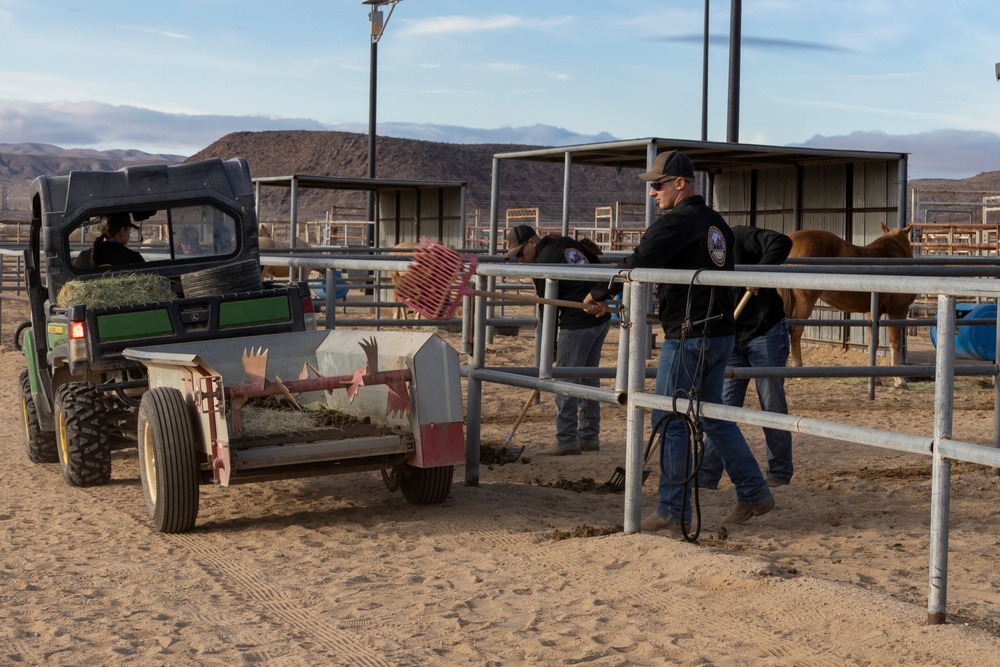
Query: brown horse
x,y
799,303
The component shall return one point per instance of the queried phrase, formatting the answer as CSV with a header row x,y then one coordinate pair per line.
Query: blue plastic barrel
x,y
319,287
973,342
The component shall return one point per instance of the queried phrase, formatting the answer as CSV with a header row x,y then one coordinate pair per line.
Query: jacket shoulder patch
x,y
717,249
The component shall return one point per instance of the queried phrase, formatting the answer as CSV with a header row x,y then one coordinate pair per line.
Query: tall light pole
x,y
735,38
704,81
378,27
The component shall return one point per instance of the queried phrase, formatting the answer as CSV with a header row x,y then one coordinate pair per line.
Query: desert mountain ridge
x,y
345,154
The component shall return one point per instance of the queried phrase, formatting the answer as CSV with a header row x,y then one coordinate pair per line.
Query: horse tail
x,y
788,297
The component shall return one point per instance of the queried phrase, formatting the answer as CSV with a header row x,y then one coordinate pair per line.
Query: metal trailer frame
x,y
415,432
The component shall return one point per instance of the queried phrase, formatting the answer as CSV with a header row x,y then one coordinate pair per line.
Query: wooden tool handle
x,y
742,304
520,417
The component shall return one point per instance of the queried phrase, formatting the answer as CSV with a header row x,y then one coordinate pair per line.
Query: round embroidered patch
x,y
717,246
574,256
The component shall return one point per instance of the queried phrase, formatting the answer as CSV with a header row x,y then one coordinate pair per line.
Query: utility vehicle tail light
x,y
308,312
77,341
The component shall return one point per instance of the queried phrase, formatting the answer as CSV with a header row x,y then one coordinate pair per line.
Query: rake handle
x,y
742,304
520,417
534,299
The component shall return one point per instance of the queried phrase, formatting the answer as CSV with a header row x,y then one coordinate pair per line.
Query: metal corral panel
x,y
857,336
412,214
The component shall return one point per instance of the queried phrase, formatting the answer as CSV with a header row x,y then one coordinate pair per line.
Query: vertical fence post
x,y
624,313
944,401
474,389
873,343
638,337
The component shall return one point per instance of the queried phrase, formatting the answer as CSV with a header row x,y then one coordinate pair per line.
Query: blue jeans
x,y
767,350
678,370
578,421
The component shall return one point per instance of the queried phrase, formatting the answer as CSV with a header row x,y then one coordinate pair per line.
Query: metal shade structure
x,y
407,210
777,187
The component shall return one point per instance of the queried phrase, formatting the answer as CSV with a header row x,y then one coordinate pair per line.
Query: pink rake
x,y
436,280
439,277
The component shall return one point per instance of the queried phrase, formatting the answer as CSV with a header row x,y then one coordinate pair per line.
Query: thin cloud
x,y
440,25
151,31
501,66
767,43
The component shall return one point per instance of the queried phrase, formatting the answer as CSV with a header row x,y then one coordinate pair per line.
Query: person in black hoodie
x,y
110,248
698,336
761,341
580,336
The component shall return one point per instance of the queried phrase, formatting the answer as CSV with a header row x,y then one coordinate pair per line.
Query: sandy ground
x,y
338,571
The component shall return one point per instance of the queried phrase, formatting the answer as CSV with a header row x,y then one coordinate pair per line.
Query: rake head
x,y
436,280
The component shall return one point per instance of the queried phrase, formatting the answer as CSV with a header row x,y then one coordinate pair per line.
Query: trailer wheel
x,y
168,461
41,444
425,486
82,443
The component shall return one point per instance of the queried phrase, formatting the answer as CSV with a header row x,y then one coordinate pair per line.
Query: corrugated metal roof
x,y
706,155
338,183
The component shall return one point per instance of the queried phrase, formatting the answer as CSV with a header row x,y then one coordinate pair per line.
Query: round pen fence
x,y
481,315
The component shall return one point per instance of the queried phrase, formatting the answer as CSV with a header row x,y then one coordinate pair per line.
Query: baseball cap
x,y
120,220
670,163
517,237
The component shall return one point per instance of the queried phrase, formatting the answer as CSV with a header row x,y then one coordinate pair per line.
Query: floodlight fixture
x,y
375,16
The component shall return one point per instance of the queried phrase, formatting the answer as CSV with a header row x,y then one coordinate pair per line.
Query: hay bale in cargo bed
x,y
124,289
273,415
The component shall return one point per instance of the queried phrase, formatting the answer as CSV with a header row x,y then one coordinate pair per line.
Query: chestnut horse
x,y
799,303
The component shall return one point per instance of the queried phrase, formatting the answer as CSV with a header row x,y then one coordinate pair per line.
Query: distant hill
x,y
345,154
20,164
281,153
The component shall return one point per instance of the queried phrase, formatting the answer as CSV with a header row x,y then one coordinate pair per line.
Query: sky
x,y
172,77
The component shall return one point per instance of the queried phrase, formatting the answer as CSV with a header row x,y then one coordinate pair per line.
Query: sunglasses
x,y
656,186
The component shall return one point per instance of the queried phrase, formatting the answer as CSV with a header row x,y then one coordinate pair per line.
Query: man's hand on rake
x,y
595,307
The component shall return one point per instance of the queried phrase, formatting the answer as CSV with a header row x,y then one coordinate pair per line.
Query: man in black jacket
x,y
580,336
761,341
698,330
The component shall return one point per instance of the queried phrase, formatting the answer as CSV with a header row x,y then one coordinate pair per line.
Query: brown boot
x,y
656,523
744,512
